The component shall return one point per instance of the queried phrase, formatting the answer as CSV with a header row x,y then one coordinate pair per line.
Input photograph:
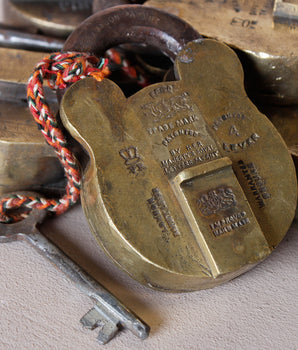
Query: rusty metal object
x,y
24,41
131,24
182,190
27,161
269,49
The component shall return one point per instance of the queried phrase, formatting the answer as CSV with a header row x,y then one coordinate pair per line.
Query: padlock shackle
x,y
131,24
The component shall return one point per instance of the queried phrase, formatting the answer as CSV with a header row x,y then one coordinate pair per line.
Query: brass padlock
x,y
265,32
27,161
188,184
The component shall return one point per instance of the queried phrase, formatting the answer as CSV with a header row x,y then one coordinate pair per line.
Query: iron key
x,y
108,313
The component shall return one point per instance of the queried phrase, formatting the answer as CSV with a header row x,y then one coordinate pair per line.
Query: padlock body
x,y
183,190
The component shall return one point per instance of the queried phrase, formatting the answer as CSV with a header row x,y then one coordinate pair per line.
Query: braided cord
x,y
60,70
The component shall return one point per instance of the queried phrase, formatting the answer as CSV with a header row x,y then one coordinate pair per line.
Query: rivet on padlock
x,y
188,184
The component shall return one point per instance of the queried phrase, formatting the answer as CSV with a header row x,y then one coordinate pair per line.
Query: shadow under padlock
x,y
27,161
183,189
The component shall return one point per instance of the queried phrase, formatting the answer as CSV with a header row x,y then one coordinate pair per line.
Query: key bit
x,y
108,313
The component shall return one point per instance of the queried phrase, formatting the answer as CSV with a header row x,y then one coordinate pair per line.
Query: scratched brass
x,y
188,184
265,31
27,162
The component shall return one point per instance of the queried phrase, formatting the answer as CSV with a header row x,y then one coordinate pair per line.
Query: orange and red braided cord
x,y
60,69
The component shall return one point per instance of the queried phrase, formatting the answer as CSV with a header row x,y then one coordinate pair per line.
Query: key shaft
x,y
109,312
112,308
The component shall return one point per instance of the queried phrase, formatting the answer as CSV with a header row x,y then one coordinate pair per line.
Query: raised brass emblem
x,y
188,184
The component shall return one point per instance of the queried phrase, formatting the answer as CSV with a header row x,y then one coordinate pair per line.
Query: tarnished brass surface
x,y
18,64
188,184
27,162
14,74
270,50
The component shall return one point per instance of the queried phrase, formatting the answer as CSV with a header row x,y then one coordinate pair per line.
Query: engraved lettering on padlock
x,y
187,120
229,223
160,212
256,183
180,132
160,128
234,129
235,147
195,153
168,126
244,23
161,90
219,121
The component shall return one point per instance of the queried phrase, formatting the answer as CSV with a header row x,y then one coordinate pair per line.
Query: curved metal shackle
x,y
131,24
